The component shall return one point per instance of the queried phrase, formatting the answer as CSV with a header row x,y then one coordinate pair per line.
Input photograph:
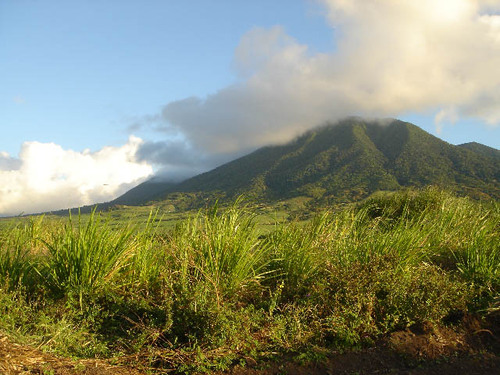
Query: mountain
x,y
482,149
344,161
142,192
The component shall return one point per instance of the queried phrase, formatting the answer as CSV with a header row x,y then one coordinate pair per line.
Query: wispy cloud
x,y
48,177
391,57
138,123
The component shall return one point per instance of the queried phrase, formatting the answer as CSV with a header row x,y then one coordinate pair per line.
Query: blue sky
x,y
77,73
181,86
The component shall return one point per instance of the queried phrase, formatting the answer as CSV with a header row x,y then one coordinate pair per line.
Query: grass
x,y
217,288
83,258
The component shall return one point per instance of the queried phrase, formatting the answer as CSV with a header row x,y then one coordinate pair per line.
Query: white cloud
x,y
422,55
8,163
448,115
48,177
391,57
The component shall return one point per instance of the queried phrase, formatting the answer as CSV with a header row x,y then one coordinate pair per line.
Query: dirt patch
x,y
472,349
20,359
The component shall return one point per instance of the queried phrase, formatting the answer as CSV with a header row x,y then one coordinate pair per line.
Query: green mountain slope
x,y
144,191
482,149
346,161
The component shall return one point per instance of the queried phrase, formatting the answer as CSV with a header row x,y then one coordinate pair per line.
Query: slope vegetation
x,y
345,161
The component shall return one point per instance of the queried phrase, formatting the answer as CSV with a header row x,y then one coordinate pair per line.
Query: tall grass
x,y
298,253
18,247
85,256
145,269
217,289
455,233
469,237
222,249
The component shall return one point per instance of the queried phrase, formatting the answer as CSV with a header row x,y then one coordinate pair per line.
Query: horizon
x,y
98,97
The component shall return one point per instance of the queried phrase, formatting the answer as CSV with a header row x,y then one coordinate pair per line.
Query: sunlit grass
x,y
215,287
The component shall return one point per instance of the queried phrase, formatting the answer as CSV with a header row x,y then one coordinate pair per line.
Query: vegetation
x,y
337,163
217,290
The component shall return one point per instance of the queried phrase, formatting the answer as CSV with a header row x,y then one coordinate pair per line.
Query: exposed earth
x,y
471,348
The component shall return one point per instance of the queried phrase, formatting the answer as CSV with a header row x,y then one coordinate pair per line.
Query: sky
x,y
98,96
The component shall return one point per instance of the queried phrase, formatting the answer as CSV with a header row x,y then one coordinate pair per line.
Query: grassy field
x,y
203,291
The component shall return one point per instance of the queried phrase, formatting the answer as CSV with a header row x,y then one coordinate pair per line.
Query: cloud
x,y
447,115
416,56
8,163
138,123
391,57
177,160
48,177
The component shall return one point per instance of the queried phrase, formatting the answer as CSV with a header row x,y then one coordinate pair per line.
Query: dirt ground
x,y
472,349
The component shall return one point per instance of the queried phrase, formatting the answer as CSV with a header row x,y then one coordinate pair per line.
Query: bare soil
x,y
472,348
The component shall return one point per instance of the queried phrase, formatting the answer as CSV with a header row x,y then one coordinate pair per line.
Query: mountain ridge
x,y
347,160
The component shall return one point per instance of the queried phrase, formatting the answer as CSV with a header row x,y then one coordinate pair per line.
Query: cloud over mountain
x,y
48,177
391,57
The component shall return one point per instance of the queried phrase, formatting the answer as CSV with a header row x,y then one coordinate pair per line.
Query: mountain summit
x,y
347,160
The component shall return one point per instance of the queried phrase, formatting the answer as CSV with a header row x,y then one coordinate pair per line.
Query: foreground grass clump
x,y
215,290
83,258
